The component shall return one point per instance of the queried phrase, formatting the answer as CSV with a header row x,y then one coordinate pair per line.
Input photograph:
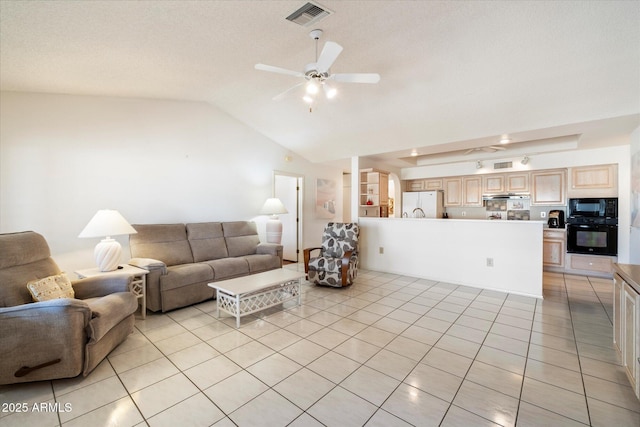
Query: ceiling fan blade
x,y
497,148
469,151
279,96
357,78
329,54
272,69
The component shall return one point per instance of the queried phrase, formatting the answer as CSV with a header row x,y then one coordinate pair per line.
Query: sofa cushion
x,y
241,237
207,241
262,262
229,267
185,274
165,242
51,287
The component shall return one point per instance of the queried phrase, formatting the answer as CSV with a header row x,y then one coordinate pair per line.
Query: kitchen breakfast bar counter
x,y
500,255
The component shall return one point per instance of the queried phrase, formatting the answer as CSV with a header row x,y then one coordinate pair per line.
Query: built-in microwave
x,y
604,208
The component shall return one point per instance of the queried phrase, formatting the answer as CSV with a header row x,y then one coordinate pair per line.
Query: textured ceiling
x,y
455,74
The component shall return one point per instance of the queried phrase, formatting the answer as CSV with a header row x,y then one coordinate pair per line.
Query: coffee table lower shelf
x,y
250,294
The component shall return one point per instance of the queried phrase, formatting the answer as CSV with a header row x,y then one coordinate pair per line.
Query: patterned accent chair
x,y
337,263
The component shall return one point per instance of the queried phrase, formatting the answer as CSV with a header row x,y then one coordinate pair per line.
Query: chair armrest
x,y
270,249
344,266
108,311
307,257
99,286
34,336
149,264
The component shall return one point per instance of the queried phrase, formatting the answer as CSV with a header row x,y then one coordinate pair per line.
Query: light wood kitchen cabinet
x,y
548,187
415,185
493,184
553,248
593,181
472,191
630,338
433,184
595,263
453,191
517,182
626,324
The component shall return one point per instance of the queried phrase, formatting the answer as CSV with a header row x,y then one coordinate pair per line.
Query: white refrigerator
x,y
414,203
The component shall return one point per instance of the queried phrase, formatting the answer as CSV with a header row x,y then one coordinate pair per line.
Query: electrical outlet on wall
x,y
543,214
489,262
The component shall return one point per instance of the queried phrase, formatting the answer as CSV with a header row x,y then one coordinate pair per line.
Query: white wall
x,y
62,158
456,251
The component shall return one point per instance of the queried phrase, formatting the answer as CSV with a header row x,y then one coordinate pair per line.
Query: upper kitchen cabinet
x,y
517,182
453,191
433,184
593,181
493,184
472,191
430,184
548,187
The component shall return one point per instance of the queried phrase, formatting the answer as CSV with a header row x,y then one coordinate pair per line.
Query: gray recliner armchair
x,y
58,338
337,263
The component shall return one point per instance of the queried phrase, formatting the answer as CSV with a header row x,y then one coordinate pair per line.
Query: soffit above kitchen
x,y
454,75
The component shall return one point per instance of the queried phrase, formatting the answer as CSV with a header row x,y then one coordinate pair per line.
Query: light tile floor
x,y
387,351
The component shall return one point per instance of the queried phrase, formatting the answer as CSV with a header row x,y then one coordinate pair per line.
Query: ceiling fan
x,y
316,75
489,149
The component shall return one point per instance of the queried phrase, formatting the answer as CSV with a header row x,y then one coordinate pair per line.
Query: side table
x,y
138,284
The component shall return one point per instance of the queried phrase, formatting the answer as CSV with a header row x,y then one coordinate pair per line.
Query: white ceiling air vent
x,y
309,14
503,165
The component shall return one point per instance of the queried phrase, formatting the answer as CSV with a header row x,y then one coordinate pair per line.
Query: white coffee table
x,y
256,292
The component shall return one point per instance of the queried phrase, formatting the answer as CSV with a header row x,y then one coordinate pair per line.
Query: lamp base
x,y
107,254
274,230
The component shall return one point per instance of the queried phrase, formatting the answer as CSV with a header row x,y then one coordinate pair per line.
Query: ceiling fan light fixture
x,y
308,99
505,139
329,92
312,88
414,153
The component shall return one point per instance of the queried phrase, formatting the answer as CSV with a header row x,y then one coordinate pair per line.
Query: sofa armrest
x,y
42,340
270,249
149,264
99,286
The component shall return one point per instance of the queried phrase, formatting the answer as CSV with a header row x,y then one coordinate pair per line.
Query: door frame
x,y
299,206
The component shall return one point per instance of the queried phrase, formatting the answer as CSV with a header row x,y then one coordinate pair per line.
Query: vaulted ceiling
x,y
454,74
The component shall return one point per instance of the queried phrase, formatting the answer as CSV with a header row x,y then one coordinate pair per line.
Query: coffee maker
x,y
556,219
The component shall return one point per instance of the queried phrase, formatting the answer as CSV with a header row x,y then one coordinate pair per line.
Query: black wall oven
x,y
592,226
594,239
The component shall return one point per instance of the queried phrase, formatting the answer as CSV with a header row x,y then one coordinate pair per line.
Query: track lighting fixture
x,y
478,164
524,160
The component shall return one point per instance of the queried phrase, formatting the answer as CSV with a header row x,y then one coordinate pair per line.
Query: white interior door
x,y
287,189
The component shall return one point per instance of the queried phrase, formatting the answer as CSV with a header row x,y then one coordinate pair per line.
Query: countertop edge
x,y
630,273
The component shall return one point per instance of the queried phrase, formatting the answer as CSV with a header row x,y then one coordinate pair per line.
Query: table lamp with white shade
x,y
273,207
106,223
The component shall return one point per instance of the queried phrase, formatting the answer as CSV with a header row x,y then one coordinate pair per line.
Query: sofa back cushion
x,y
24,257
241,237
165,242
207,241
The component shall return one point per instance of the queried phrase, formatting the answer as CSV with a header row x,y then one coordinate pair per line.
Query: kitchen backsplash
x,y
481,212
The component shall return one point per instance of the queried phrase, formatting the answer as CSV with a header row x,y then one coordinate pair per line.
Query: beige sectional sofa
x,y
183,258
